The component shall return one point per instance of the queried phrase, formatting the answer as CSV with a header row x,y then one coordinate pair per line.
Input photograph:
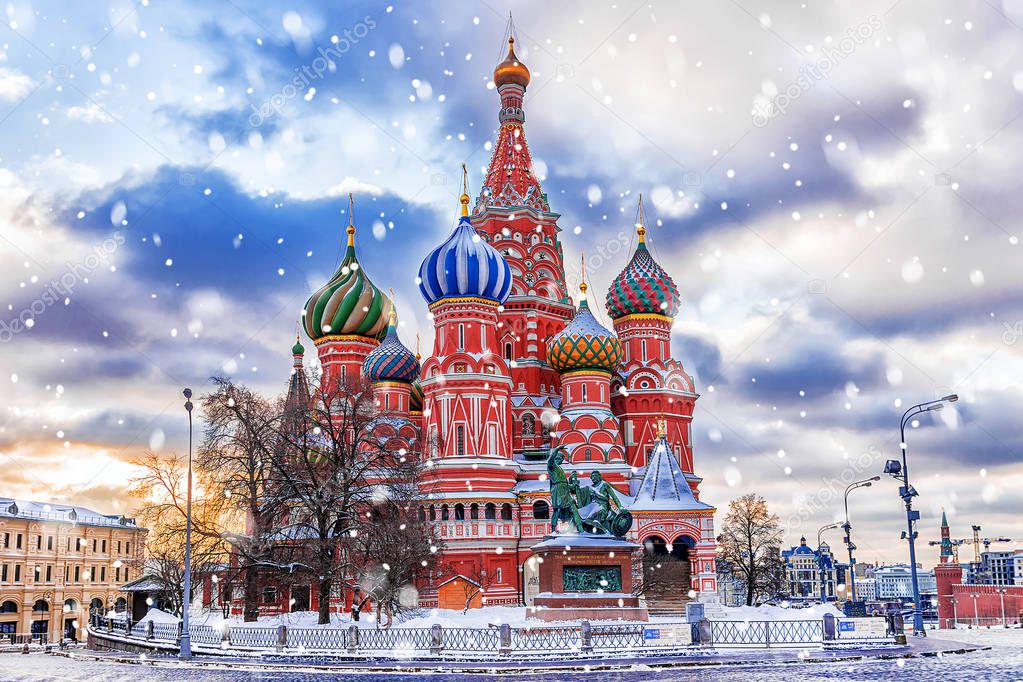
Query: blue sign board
x,y
651,633
846,626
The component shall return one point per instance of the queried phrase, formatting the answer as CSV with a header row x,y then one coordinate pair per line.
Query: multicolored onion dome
x,y
642,288
465,265
297,349
415,400
584,344
349,303
391,360
511,70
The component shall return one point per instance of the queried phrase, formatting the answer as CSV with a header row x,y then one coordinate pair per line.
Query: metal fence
x,y
505,640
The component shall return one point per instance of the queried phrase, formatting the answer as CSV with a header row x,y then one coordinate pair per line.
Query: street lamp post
x,y
907,493
186,640
865,483
820,559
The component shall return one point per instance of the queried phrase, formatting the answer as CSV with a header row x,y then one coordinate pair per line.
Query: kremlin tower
x,y
517,368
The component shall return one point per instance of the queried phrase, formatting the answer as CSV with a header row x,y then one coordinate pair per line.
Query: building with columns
x,y
519,365
58,561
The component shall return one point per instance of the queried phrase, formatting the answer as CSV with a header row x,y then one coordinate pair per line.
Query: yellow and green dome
x,y
584,344
349,304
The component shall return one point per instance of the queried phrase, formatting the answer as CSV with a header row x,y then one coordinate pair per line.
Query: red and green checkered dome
x,y
643,287
584,344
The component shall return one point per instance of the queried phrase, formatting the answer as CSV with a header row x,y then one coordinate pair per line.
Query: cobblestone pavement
x,y
1000,663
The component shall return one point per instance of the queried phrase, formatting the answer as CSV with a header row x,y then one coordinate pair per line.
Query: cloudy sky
x,y
833,185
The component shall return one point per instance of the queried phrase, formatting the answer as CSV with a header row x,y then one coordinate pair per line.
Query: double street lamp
x,y
907,493
865,483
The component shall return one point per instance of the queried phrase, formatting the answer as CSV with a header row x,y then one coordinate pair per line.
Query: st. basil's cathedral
x,y
518,368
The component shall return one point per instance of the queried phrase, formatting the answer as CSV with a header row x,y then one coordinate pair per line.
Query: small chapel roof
x,y
664,486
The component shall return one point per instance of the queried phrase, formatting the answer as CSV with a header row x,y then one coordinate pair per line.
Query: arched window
x,y
444,514
460,440
41,606
506,512
433,513
490,511
96,603
9,607
474,511
507,350
459,512
422,514
541,510
528,425
70,605
461,337
121,605
584,393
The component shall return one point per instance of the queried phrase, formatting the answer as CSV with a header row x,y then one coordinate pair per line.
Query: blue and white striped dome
x,y
465,265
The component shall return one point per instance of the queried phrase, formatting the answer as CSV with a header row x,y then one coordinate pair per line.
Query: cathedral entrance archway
x,y
667,572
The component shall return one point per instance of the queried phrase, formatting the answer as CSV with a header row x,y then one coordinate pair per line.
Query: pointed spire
x,y
419,356
464,199
640,226
944,519
351,220
582,285
392,316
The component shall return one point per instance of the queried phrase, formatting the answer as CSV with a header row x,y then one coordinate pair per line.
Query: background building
x,y
807,568
895,582
57,561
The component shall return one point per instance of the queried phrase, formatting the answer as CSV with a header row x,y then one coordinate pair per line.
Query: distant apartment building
x,y
866,589
999,568
896,583
57,561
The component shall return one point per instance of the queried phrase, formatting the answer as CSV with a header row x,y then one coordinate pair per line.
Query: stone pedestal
x,y
587,577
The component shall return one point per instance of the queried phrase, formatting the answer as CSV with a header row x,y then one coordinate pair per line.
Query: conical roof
x,y
664,486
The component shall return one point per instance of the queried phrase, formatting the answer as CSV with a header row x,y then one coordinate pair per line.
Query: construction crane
x,y
976,541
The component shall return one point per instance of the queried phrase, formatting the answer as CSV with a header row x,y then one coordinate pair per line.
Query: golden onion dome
x,y
511,70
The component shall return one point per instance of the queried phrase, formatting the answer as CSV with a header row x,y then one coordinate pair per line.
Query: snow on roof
x,y
589,540
11,508
664,486
146,583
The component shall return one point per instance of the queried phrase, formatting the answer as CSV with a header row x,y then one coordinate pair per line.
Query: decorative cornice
x,y
643,316
346,338
463,299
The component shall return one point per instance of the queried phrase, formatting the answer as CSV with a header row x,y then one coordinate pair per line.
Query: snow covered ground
x,y
994,636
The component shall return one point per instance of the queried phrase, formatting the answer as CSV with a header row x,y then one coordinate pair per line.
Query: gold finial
x,y
392,316
582,284
640,227
351,220
464,199
418,355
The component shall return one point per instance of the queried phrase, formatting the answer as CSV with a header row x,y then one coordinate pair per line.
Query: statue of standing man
x,y
563,503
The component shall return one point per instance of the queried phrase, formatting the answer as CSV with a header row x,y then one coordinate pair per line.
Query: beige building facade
x,y
56,562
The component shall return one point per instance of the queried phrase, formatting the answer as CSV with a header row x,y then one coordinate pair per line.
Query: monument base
x,y
586,576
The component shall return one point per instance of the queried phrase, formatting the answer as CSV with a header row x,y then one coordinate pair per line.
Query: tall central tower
x,y
512,214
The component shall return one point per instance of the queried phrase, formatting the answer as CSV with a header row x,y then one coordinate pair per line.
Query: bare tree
x,y
749,542
242,439
334,471
162,486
